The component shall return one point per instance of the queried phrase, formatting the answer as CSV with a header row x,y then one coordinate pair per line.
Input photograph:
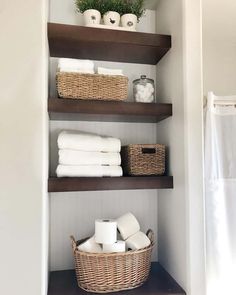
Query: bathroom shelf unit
x,y
69,184
107,111
159,283
108,45
71,41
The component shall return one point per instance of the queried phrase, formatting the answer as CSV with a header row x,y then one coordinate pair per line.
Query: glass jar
x,y
144,90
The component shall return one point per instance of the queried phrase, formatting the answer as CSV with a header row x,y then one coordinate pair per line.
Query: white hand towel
x,y
112,72
88,171
75,140
73,157
72,70
75,63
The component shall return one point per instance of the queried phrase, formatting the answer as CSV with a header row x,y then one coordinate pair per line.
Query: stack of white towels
x,y
111,72
112,236
82,66
88,155
76,66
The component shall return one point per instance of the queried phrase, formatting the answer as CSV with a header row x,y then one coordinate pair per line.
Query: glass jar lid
x,y
143,77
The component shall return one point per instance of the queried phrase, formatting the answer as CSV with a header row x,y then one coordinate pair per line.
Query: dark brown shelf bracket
x,y
109,183
109,45
159,283
107,111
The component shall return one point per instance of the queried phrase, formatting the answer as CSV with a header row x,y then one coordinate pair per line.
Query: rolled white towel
x,y
75,63
88,171
112,72
73,157
76,140
72,70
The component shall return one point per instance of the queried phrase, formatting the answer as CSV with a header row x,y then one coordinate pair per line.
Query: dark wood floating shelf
x,y
109,45
82,110
159,283
70,184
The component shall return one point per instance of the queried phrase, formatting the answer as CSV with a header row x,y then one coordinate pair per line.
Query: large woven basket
x,y
105,273
91,86
143,159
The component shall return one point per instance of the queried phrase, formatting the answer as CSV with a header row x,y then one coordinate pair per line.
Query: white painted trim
x,y
45,163
194,147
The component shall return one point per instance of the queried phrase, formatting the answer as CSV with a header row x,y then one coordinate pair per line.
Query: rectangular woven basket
x,y
143,159
113,272
91,86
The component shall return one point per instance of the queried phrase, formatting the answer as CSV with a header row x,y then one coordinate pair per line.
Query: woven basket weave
x,y
91,86
143,159
104,273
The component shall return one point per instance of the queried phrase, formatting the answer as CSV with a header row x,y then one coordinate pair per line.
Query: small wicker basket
x,y
143,159
105,273
91,86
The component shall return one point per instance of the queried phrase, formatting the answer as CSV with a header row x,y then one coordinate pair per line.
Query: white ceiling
x,y
151,4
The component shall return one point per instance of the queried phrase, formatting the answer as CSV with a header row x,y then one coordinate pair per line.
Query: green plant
x,y
120,6
101,5
113,5
83,5
134,7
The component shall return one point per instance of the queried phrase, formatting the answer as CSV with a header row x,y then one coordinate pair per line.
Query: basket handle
x,y
150,235
73,242
148,150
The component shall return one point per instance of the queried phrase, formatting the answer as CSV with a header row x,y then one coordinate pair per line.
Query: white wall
x,y
219,46
172,204
193,98
180,211
74,213
23,147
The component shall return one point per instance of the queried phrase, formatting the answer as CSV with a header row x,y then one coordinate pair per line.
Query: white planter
x,y
111,18
92,17
129,20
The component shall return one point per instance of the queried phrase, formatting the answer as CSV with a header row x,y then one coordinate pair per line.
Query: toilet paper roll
x,y
90,246
119,246
137,241
127,225
105,231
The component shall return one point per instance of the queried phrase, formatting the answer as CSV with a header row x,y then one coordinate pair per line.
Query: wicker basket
x,y
104,273
143,159
91,86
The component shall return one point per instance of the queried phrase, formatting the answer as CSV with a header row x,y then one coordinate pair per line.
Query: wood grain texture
x,y
159,283
82,110
110,45
67,184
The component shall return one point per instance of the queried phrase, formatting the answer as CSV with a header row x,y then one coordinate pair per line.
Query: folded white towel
x,y
72,70
88,171
75,140
73,157
112,72
79,64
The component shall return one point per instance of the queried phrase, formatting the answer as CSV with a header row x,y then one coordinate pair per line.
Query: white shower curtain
x,y
220,185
